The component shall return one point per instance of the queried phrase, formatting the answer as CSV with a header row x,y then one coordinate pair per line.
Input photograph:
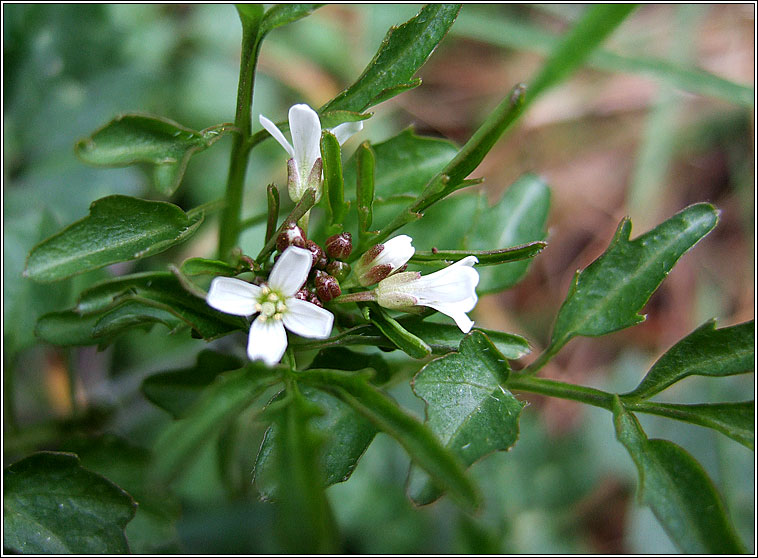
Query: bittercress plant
x,y
330,295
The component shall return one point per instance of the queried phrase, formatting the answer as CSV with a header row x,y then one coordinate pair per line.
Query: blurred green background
x,y
609,141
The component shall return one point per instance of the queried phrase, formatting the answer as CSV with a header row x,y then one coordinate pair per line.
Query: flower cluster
x,y
306,276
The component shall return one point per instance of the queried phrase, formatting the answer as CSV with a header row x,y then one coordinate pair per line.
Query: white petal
x,y
276,133
452,284
456,310
307,320
346,129
397,251
305,128
290,270
233,296
267,341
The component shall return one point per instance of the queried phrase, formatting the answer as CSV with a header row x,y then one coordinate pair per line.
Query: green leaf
x,y
365,160
340,358
137,138
521,35
68,328
176,391
134,312
585,36
423,447
203,266
468,408
163,291
396,333
220,403
519,217
333,182
305,521
283,14
153,529
118,229
52,505
346,436
707,351
404,164
402,52
609,293
678,491
732,419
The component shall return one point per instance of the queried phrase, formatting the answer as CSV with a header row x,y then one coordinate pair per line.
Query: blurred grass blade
x,y
707,351
521,35
678,490
599,21
423,447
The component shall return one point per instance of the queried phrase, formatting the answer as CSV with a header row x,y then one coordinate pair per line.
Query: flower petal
x,y
276,133
305,128
397,251
267,341
233,296
456,310
290,270
307,320
346,129
455,283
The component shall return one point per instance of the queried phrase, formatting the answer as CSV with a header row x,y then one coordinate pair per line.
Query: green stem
x,y
230,218
553,388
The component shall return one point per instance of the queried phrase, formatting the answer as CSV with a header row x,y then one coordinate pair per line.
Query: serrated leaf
x,y
159,290
403,51
707,351
137,138
423,447
118,229
305,517
283,14
735,420
52,505
346,435
678,490
220,403
609,293
177,390
467,408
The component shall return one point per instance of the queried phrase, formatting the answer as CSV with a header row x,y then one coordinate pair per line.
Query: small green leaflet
x,y
678,491
608,294
283,14
707,351
118,229
468,408
52,505
138,138
403,51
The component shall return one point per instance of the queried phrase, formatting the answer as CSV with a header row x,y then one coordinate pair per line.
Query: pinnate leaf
x,y
609,293
468,409
118,229
678,490
707,351
137,138
52,505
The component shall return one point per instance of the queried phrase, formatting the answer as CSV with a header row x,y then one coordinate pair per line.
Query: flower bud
x,y
319,258
338,270
308,296
291,235
327,286
339,245
384,259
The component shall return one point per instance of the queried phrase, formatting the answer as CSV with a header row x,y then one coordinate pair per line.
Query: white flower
x,y
305,150
384,259
450,291
275,304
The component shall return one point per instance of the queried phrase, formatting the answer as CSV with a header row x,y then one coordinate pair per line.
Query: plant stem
x,y
553,388
230,218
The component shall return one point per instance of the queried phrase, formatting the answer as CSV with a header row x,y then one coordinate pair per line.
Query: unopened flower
x,y
305,151
276,306
450,291
384,259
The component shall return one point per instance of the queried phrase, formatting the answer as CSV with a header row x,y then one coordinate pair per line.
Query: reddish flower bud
x,y
339,246
291,235
327,286
338,270
319,258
